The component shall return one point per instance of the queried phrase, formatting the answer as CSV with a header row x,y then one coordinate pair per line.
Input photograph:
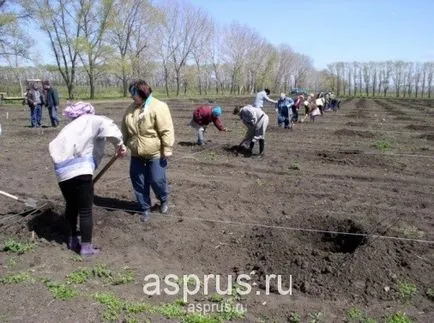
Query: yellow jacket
x,y
150,134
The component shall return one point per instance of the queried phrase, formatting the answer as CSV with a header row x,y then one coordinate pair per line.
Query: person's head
x,y
217,111
282,96
237,109
46,84
35,86
73,111
140,91
267,91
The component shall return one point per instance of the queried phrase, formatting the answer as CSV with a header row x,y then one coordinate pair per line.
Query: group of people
x,y
256,120
147,131
36,98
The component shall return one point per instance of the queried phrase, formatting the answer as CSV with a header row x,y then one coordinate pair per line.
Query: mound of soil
x,y
332,265
353,133
427,136
420,127
356,124
359,159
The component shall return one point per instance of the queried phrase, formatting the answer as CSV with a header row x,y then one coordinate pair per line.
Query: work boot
x,y
164,207
87,250
74,244
261,147
146,216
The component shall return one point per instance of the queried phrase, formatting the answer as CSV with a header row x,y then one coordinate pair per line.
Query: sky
x,y
337,30
329,30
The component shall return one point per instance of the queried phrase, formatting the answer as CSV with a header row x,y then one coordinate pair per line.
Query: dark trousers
x,y
78,194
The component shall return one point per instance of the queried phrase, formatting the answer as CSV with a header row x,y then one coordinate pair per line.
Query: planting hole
x,y
344,243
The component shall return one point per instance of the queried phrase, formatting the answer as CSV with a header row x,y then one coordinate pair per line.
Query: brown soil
x,y
353,133
232,215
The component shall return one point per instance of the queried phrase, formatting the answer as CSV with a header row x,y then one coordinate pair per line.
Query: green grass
x,y
294,317
62,291
18,247
398,317
406,290
79,276
382,145
294,166
315,317
355,315
16,278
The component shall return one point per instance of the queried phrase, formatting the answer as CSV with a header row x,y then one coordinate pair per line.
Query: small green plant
x,y
135,308
101,271
60,291
295,166
398,317
412,232
11,262
315,317
172,310
113,305
212,155
127,276
199,318
15,278
79,276
11,245
406,290
354,314
382,144
294,317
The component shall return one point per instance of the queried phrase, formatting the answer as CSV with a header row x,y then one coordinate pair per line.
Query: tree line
x,y
179,48
398,78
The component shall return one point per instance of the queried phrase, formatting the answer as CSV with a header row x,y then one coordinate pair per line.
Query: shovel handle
x,y
9,195
107,166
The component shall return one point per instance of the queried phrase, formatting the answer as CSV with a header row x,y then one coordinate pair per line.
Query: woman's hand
x,y
122,150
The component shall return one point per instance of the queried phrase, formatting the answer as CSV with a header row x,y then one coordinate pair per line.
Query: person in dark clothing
x,y
202,117
52,103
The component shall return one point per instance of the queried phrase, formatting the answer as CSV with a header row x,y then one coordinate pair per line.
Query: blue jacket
x,y
283,107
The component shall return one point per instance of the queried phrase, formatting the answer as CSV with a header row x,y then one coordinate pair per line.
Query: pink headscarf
x,y
75,110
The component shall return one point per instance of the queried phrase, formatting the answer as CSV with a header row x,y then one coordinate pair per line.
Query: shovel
x,y
29,202
107,166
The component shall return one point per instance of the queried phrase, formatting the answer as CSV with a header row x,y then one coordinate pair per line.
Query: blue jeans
x,y
145,174
52,111
32,117
38,114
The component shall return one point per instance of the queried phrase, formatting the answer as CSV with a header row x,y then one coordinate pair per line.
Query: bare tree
x,y
131,32
286,59
183,27
19,49
62,21
96,15
237,46
398,76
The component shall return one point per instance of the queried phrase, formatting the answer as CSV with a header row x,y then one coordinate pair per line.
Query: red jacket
x,y
203,116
